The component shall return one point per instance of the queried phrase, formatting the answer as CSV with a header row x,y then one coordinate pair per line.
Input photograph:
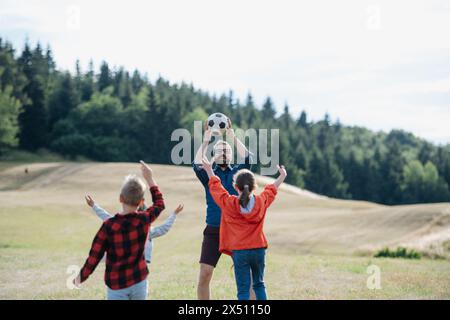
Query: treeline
x,y
115,115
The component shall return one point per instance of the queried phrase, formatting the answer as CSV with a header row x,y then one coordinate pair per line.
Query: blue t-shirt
x,y
213,211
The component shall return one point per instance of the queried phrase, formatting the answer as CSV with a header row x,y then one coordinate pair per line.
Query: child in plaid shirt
x,y
155,232
123,238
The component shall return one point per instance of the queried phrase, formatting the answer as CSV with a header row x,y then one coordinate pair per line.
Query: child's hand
x,y
147,173
179,209
282,171
281,177
90,202
207,166
77,281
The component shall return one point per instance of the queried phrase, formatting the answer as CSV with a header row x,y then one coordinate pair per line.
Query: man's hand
x,y
90,202
207,166
241,148
230,131
179,209
147,173
208,133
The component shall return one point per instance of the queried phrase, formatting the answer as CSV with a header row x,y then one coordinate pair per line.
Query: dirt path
x,y
54,176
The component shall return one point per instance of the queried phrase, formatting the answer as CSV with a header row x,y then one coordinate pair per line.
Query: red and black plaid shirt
x,y
123,238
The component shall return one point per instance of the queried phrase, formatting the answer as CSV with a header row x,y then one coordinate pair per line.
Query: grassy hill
x,y
319,247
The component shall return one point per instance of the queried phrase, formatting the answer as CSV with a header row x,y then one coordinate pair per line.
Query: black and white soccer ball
x,y
218,123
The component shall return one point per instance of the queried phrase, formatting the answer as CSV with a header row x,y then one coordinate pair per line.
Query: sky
x,y
379,64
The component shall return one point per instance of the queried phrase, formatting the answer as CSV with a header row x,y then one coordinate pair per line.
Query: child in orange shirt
x,y
241,226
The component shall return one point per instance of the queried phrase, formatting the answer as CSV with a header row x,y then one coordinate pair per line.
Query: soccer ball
x,y
218,123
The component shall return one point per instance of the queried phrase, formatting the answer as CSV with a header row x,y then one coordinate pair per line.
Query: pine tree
x,y
136,81
151,134
230,99
11,74
33,119
325,177
303,120
391,169
122,87
249,112
63,100
87,83
286,120
105,78
268,110
78,79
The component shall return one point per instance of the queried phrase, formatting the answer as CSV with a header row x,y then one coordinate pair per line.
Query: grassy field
x,y
320,248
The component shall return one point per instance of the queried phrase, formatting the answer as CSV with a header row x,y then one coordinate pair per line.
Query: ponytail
x,y
245,182
244,198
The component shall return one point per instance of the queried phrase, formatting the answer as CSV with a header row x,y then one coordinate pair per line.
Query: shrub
x,y
400,252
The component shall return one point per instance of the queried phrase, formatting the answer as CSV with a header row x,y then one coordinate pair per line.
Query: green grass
x,y
18,156
37,244
41,155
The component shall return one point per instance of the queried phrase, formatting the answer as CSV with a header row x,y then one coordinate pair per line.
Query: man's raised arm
x,y
241,148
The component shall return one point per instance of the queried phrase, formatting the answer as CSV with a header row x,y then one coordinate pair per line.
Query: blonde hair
x,y
133,190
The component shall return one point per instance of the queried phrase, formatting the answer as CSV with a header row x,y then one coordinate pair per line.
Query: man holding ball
x,y
222,156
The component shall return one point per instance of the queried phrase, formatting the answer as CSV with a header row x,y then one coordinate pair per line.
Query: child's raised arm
x,y
99,211
218,192
158,206
281,177
207,166
270,190
162,229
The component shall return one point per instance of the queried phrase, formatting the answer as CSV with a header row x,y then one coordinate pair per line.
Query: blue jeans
x,y
250,264
137,291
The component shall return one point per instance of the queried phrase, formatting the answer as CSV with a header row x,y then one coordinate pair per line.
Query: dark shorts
x,y
210,246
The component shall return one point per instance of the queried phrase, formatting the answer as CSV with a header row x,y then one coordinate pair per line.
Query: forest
x,y
117,115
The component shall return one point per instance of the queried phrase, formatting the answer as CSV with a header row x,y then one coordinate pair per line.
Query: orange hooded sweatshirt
x,y
239,231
